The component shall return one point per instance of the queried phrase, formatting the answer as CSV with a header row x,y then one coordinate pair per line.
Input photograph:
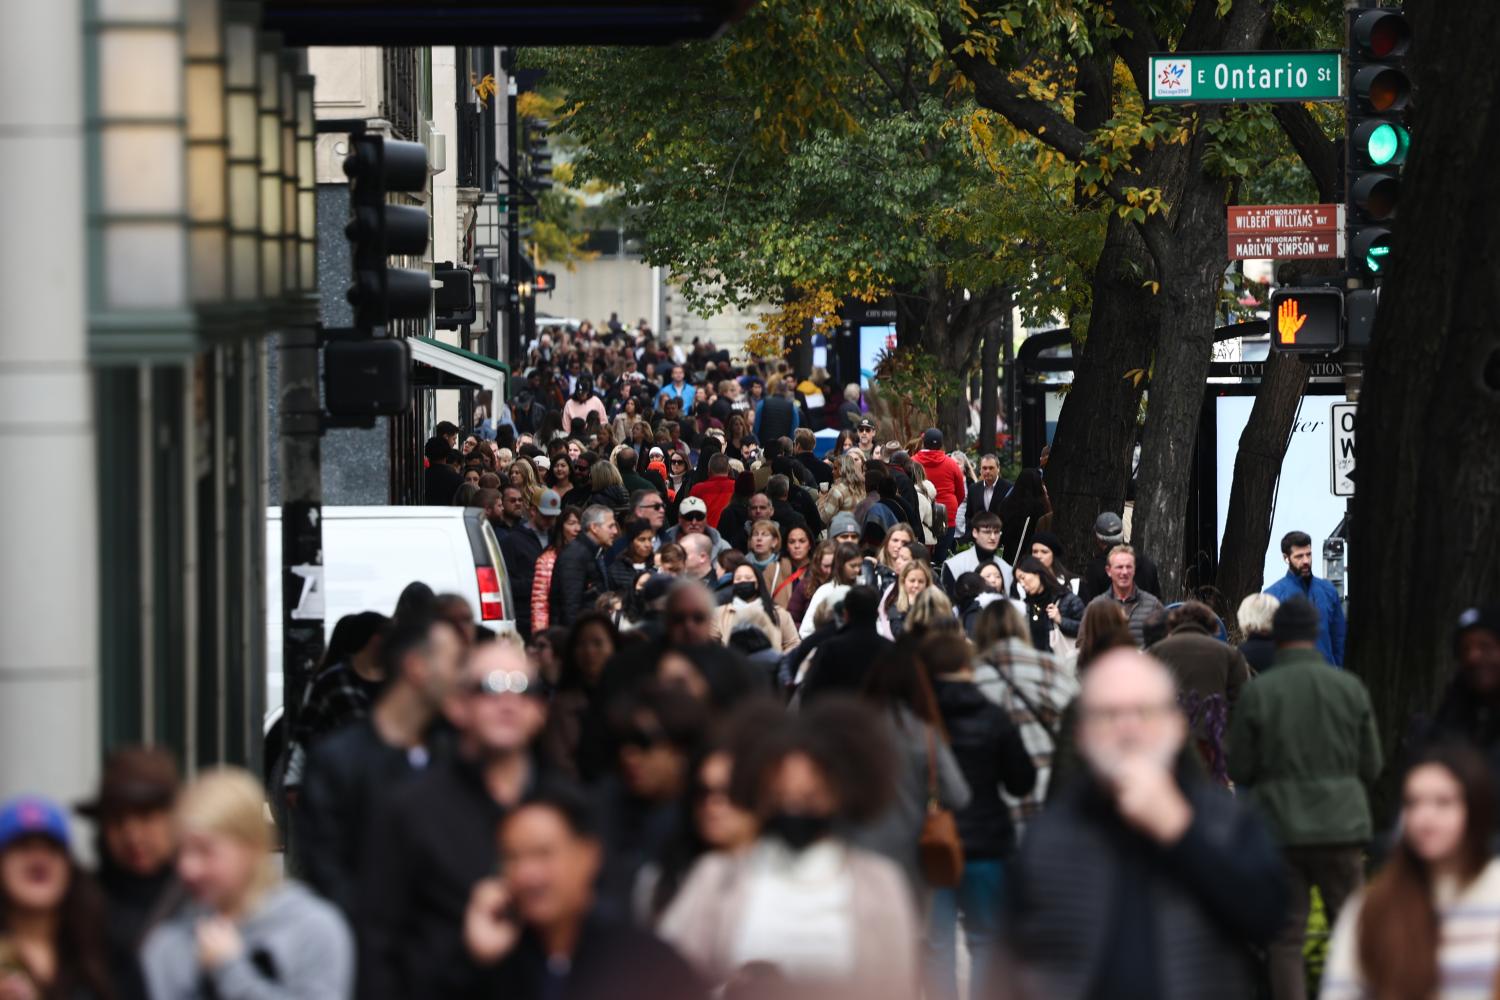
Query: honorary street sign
x,y
1285,232
1287,246
1268,219
1217,77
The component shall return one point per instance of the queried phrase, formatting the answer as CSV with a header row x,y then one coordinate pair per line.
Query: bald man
x,y
1143,880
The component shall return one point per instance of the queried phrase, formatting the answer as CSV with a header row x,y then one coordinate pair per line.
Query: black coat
x,y
613,961
349,774
990,753
133,904
843,662
432,840
440,483
1094,903
578,578
974,502
521,548
821,470
1259,651
787,517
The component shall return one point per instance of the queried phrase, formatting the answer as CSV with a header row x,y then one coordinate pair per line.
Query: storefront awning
x,y
439,365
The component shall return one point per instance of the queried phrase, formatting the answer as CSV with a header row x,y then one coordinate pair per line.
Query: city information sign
x,y
1286,232
1219,77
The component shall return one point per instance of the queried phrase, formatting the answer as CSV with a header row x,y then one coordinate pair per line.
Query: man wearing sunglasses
x,y
434,839
692,519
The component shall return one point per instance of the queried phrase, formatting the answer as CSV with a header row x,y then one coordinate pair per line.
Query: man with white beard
x,y
1143,880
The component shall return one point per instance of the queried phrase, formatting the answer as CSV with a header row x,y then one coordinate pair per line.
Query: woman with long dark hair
x,y
1049,604
818,572
1428,925
51,914
577,723
750,593
847,566
1020,513
569,523
899,689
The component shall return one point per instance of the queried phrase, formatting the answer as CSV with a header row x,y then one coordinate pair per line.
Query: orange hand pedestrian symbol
x,y
1289,319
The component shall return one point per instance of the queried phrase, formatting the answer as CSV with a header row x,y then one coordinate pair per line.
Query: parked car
x,y
370,554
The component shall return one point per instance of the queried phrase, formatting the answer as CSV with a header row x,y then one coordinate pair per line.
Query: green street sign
x,y
1221,77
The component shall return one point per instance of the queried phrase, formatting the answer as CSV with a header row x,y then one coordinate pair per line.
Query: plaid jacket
x,y
1034,688
335,698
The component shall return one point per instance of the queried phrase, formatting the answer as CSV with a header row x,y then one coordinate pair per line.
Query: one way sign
x,y
1343,448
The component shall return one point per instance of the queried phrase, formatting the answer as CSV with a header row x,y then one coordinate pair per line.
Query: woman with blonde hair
x,y
931,611
897,602
848,487
246,933
523,477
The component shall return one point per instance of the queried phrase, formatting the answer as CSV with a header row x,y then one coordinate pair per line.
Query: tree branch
x,y
1135,43
1317,151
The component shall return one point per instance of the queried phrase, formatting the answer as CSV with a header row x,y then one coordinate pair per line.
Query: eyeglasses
x,y
651,506
679,461
986,531
503,682
693,517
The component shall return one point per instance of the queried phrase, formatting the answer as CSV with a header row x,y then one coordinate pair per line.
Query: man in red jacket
x,y
944,475
718,489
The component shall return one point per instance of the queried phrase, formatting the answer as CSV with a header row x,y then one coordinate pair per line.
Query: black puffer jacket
x,y
578,578
990,752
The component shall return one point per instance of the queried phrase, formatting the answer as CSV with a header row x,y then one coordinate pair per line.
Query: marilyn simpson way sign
x,y
1210,77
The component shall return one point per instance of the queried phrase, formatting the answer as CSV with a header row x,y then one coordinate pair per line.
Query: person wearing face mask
x,y
1428,925
802,907
749,592
1141,880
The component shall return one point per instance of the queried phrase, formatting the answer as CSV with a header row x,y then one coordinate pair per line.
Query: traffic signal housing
x,y
1307,320
376,167
1377,137
538,155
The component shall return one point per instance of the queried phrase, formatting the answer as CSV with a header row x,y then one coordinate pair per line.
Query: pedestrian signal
x,y
1307,320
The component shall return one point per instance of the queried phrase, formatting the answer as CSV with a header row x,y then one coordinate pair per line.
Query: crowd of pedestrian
x,y
771,726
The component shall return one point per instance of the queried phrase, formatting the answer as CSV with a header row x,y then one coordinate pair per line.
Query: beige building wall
x,y
49,609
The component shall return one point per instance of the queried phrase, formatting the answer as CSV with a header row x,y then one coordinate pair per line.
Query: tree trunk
x,y
1425,539
1257,470
1184,349
1089,466
949,326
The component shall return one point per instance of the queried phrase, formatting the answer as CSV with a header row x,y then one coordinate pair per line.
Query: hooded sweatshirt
x,y
944,475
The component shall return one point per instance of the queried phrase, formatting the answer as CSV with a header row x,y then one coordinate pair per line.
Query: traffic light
x,y
377,166
546,281
453,303
538,155
1377,137
1307,320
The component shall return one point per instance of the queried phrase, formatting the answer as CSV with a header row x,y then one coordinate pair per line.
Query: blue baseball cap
x,y
32,815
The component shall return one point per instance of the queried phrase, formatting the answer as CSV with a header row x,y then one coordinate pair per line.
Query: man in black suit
x,y
989,491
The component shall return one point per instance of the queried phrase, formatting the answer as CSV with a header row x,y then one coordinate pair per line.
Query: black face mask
x,y
797,830
745,591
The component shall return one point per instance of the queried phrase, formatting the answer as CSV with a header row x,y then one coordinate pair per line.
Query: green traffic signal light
x,y
1387,144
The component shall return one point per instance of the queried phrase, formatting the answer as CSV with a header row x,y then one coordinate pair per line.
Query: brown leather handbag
x,y
940,849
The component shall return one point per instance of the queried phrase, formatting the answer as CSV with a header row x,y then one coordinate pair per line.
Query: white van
x,y
371,554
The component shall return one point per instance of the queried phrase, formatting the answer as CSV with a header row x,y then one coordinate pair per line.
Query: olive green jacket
x,y
1304,746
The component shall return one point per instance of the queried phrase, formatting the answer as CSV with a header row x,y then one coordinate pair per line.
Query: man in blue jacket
x,y
1296,549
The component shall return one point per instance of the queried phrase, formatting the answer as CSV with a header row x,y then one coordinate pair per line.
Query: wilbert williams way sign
x,y
1218,77
1284,232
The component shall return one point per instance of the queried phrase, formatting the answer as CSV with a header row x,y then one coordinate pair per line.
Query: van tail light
x,y
490,605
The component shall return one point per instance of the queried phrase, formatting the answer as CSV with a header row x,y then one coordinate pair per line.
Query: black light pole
x,y
512,216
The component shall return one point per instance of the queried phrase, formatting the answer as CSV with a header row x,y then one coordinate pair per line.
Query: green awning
x,y
458,364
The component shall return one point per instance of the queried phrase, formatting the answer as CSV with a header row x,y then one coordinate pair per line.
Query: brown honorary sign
x,y
1284,232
